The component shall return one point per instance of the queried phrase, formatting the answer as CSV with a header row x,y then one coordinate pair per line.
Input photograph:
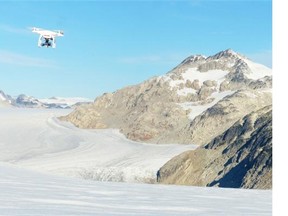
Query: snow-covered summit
x,y
200,82
224,67
153,110
227,60
224,55
27,101
229,53
193,58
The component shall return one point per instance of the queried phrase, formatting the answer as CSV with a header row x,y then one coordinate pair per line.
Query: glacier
x,y
48,167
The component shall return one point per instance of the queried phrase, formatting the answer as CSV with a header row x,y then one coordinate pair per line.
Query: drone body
x,y
47,37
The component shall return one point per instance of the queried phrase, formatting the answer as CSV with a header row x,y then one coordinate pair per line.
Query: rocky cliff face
x,y
239,157
224,114
193,103
142,112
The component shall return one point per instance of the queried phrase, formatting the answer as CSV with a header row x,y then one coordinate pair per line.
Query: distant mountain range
x,y
195,102
32,102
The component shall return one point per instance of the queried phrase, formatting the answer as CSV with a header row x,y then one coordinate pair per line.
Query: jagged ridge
x,y
239,157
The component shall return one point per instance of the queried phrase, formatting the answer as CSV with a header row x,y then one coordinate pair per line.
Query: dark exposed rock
x,y
239,157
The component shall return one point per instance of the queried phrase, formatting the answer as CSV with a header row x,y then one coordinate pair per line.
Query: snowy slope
x,y
197,108
35,139
258,71
29,193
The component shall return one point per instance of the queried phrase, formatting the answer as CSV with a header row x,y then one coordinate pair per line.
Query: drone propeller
x,y
33,29
60,32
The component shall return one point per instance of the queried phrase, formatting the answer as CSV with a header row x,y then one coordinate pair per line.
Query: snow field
x,y
197,109
25,192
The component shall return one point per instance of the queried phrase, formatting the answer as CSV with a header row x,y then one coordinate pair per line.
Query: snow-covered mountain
x,y
208,93
27,101
31,102
5,100
201,82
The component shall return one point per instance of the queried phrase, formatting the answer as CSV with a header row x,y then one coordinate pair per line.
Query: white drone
x,y
47,37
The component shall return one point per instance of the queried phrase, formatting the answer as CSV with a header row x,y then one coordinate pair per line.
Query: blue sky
x,y
112,44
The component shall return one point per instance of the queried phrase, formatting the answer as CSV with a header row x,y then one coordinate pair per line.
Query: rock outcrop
x,y
241,157
223,115
142,112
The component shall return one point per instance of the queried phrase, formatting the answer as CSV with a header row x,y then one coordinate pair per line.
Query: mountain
x,y
31,102
53,102
27,101
193,103
239,157
5,100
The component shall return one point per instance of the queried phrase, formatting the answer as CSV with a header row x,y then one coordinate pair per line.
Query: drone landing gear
x,y
48,42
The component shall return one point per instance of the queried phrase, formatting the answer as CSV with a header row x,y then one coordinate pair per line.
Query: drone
x,y
47,37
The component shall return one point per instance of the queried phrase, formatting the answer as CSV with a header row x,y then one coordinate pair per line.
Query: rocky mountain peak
x,y
227,60
229,53
225,54
226,70
193,59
